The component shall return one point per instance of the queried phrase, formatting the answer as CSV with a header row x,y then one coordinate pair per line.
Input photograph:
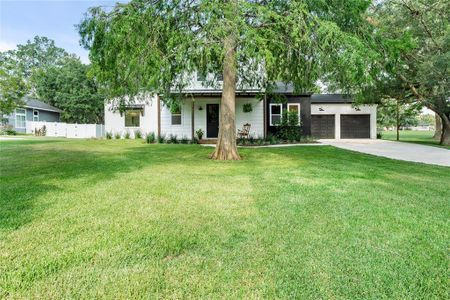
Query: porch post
x,y
265,116
192,119
305,115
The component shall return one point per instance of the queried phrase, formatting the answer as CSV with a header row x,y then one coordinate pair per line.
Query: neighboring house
x,y
330,116
33,110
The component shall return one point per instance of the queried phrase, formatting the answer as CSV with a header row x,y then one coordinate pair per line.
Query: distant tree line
x,y
41,70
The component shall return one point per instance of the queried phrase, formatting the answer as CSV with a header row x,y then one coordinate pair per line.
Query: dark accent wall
x,y
305,113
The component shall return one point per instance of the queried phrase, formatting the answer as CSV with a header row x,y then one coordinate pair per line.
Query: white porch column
x,y
337,126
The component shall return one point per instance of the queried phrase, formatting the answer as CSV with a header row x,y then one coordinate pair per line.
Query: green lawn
x,y
418,137
122,219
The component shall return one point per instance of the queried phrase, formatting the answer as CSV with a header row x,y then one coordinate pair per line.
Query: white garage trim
x,y
346,109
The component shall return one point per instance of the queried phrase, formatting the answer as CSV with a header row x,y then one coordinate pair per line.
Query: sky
x,y
21,20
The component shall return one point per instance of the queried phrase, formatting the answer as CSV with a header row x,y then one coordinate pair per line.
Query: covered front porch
x,y
203,113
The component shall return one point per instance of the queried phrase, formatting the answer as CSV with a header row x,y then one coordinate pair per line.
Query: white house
x,y
332,116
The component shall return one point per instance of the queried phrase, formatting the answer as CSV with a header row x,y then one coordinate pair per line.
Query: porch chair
x,y
245,132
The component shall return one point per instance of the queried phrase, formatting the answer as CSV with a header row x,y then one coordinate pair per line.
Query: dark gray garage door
x,y
355,126
322,126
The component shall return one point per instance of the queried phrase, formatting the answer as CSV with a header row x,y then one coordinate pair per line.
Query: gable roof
x,y
36,104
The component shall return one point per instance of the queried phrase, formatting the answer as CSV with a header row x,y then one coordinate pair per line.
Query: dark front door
x,y
322,126
212,120
355,126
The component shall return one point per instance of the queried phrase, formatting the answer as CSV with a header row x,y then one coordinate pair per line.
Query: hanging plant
x,y
247,107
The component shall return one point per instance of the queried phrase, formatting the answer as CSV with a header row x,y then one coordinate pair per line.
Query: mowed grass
x,y
122,219
411,136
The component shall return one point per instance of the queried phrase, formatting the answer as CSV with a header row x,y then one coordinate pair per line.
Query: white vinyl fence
x,y
58,129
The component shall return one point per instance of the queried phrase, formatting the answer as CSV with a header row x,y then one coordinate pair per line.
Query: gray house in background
x,y
33,110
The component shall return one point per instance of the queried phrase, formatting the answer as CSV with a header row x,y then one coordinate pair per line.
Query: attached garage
x,y
322,126
355,126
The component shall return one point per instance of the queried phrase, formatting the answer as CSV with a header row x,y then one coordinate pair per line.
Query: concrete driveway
x,y
396,150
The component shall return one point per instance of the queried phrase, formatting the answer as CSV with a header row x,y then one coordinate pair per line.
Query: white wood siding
x,y
182,130
255,117
115,123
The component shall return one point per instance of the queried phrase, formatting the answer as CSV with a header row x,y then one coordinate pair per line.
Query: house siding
x,y
180,131
115,122
48,116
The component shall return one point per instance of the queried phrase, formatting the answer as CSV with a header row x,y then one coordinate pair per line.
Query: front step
x,y
208,141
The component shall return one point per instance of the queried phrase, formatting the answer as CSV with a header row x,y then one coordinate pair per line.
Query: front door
x,y
212,120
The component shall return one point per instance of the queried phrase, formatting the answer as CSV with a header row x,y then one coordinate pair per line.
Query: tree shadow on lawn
x,y
339,215
44,168
41,171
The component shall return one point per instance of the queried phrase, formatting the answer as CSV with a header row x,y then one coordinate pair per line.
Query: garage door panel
x,y
355,126
323,126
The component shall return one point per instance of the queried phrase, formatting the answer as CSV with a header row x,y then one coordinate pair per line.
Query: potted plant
x,y
199,133
247,107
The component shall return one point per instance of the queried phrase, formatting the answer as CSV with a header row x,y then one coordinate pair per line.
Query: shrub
x,y
161,139
109,135
251,140
137,134
117,136
194,141
40,132
184,140
289,127
199,133
272,139
173,139
127,135
150,138
8,130
379,135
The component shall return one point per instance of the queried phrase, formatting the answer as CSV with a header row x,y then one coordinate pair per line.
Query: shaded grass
x,y
121,219
417,137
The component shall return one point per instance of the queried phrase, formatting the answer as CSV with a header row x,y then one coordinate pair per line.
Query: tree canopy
x,y
43,70
155,46
413,39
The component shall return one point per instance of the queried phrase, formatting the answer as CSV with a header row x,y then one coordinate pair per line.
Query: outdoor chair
x,y
245,132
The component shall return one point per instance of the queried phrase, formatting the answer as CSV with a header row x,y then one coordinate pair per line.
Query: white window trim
x,y
38,115
298,108
21,114
181,118
270,112
125,122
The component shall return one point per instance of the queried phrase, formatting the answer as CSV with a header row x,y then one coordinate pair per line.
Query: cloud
x,y
5,46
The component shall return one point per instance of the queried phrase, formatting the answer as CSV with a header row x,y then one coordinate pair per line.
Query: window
x,y
176,116
294,107
35,115
132,118
21,117
275,113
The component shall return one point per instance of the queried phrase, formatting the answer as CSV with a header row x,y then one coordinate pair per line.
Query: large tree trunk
x,y
226,143
445,136
438,128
